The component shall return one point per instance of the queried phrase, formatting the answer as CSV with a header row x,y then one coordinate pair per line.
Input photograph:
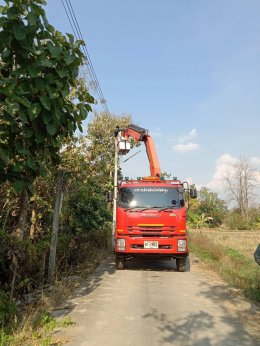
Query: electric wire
x,y
78,35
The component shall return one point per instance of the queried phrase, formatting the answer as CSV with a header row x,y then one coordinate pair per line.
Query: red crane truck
x,y
151,211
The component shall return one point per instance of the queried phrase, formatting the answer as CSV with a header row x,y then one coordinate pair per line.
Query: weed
x,y
67,321
237,268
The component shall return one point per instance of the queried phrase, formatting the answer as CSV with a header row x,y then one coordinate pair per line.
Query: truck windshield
x,y
150,197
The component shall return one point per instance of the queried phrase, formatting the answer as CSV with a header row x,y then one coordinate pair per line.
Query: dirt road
x,y
150,304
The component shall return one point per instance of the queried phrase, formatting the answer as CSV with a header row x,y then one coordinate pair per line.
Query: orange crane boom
x,y
141,135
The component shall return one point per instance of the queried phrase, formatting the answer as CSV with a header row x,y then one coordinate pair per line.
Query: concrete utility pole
x,y
55,226
115,190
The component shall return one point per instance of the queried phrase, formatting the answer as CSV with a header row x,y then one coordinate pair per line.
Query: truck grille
x,y
150,229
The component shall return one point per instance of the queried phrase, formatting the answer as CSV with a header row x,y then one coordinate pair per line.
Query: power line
x,y
78,35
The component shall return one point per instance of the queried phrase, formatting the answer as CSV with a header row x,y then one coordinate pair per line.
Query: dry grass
x,y
36,324
231,254
243,241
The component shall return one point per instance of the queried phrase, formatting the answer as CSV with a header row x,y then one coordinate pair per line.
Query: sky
x,y
186,70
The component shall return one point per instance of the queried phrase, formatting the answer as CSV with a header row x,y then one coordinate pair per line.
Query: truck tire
x,y
120,263
183,264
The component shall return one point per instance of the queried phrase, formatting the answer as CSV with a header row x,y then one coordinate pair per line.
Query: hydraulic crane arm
x,y
141,135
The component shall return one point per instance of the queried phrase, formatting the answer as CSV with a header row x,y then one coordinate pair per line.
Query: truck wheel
x,y
120,263
183,264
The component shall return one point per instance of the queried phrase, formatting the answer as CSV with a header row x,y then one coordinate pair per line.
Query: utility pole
x,y
115,189
55,225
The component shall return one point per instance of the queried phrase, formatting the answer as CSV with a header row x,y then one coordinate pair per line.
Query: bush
x,y
7,308
234,220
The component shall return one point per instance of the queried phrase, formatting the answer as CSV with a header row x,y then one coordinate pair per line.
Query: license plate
x,y
151,244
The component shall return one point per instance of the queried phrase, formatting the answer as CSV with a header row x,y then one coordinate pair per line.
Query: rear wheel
x,y
183,264
120,263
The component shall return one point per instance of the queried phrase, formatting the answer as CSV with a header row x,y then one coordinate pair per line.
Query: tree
x,y
39,67
208,210
212,207
240,183
101,145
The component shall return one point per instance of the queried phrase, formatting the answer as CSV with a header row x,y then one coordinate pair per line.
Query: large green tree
x,y
39,69
208,210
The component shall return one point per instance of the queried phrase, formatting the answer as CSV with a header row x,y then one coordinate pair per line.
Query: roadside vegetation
x,y
43,102
231,255
227,238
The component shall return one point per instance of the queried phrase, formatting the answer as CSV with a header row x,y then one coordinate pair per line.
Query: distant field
x,y
231,254
243,241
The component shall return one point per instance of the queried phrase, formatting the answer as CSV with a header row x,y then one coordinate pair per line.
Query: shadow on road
x,y
92,283
151,265
204,328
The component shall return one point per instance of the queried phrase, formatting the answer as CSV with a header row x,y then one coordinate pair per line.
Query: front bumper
x,y
167,246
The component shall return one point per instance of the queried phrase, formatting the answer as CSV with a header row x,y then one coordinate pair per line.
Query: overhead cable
x,y
78,35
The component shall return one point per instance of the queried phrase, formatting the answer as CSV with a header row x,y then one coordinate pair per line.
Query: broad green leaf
x,y
6,53
35,110
65,92
32,18
57,113
3,9
83,111
19,31
3,20
18,167
12,108
80,128
62,73
88,98
23,117
37,9
50,28
32,71
47,116
69,59
31,188
45,101
45,62
53,93
30,163
24,101
22,150
40,84
28,132
19,185
71,37
51,128
54,50
40,136
12,12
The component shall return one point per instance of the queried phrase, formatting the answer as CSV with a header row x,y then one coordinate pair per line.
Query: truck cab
x,y
151,221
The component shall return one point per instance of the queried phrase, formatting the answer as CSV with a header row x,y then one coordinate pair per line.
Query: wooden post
x,y
55,226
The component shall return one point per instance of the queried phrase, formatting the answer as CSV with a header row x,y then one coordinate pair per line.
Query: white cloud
x,y
186,143
185,138
255,160
186,147
223,164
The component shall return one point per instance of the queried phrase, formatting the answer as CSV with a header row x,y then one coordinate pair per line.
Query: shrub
x,y
7,308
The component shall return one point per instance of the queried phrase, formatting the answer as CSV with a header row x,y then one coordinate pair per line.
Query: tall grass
x,y
236,268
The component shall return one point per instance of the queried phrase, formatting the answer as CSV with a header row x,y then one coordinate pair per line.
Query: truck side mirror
x,y
193,193
110,196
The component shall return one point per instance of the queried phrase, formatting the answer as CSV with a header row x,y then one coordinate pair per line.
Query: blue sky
x,y
186,70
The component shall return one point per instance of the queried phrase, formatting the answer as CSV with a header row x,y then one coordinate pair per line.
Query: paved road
x,y
150,304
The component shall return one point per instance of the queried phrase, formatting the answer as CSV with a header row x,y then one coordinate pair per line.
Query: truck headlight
x,y
120,244
182,245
